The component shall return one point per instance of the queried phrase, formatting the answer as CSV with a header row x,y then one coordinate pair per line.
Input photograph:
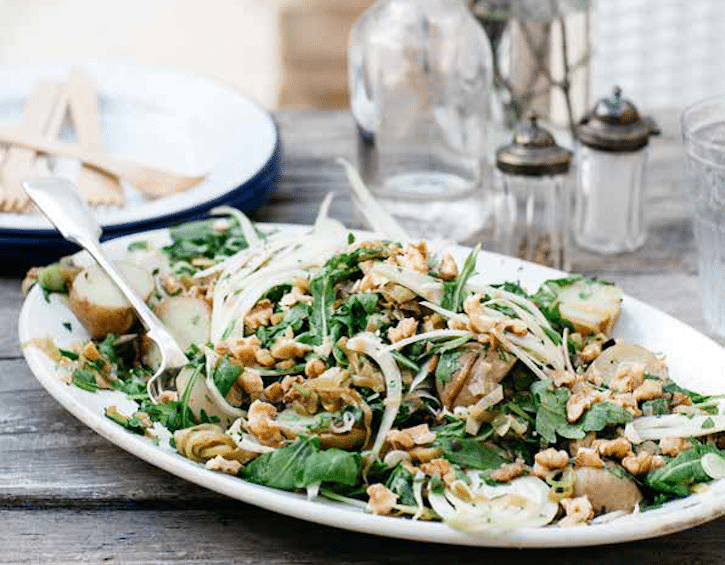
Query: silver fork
x,y
58,199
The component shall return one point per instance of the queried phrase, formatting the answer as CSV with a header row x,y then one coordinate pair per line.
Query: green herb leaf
x,y
551,418
401,483
453,291
470,453
682,472
301,463
604,414
225,375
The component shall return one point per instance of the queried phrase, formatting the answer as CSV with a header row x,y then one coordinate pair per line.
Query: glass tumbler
x,y
703,130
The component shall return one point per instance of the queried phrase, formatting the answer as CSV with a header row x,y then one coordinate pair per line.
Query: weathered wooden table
x,y
67,495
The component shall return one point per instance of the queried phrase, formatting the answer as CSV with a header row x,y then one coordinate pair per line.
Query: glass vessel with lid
x,y
611,158
419,78
534,172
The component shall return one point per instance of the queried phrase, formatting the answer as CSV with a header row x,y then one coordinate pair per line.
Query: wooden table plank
x,y
242,534
67,495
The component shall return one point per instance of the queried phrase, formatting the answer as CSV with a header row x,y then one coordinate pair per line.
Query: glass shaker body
x,y
420,73
609,211
537,223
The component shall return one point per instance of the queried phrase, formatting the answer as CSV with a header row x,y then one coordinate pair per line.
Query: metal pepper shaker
x,y
611,156
534,172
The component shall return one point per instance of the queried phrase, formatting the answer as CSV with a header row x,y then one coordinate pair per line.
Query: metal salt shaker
x,y
534,171
611,157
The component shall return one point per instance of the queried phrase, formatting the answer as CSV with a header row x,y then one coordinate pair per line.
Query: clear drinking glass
x,y
420,76
703,130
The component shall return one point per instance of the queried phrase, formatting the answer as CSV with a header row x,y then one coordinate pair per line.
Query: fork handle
x,y
58,199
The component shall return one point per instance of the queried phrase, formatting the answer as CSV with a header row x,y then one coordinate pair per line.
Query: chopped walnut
x,y
627,401
673,446
274,392
261,423
563,378
591,351
423,454
90,352
406,328
627,377
446,269
243,350
259,315
293,297
218,463
617,448
648,390
580,401
415,257
400,440
642,463
458,323
440,467
586,441
549,460
251,383
578,511
679,399
263,357
288,348
509,471
477,320
314,368
381,499
516,327
588,457
421,434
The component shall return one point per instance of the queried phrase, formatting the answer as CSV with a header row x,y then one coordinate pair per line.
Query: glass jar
x,y
611,159
420,76
534,180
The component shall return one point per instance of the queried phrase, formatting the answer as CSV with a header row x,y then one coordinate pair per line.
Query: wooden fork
x,y
40,109
95,187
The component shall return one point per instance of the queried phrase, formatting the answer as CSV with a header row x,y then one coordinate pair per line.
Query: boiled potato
x,y
98,303
188,320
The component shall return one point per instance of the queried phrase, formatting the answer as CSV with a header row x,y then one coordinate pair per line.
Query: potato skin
x,y
101,319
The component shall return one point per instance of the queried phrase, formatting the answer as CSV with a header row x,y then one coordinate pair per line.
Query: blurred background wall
x,y
293,52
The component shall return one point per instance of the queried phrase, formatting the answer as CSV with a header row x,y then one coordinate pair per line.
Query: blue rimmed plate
x,y
164,117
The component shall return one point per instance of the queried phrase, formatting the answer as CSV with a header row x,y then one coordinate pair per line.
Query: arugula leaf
x,y
551,418
353,313
73,356
447,365
453,291
655,407
331,466
694,396
140,245
131,423
401,483
108,348
604,414
301,463
322,286
225,375
470,453
85,379
512,287
201,239
682,472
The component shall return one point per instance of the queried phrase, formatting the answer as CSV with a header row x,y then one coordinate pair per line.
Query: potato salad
x,y
381,373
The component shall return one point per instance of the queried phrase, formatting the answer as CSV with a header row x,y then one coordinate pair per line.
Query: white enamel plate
x,y
695,362
163,117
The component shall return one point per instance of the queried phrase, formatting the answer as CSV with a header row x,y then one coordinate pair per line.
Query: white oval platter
x,y
695,362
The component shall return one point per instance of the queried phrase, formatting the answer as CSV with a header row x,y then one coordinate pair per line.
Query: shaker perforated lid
x,y
533,152
615,125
